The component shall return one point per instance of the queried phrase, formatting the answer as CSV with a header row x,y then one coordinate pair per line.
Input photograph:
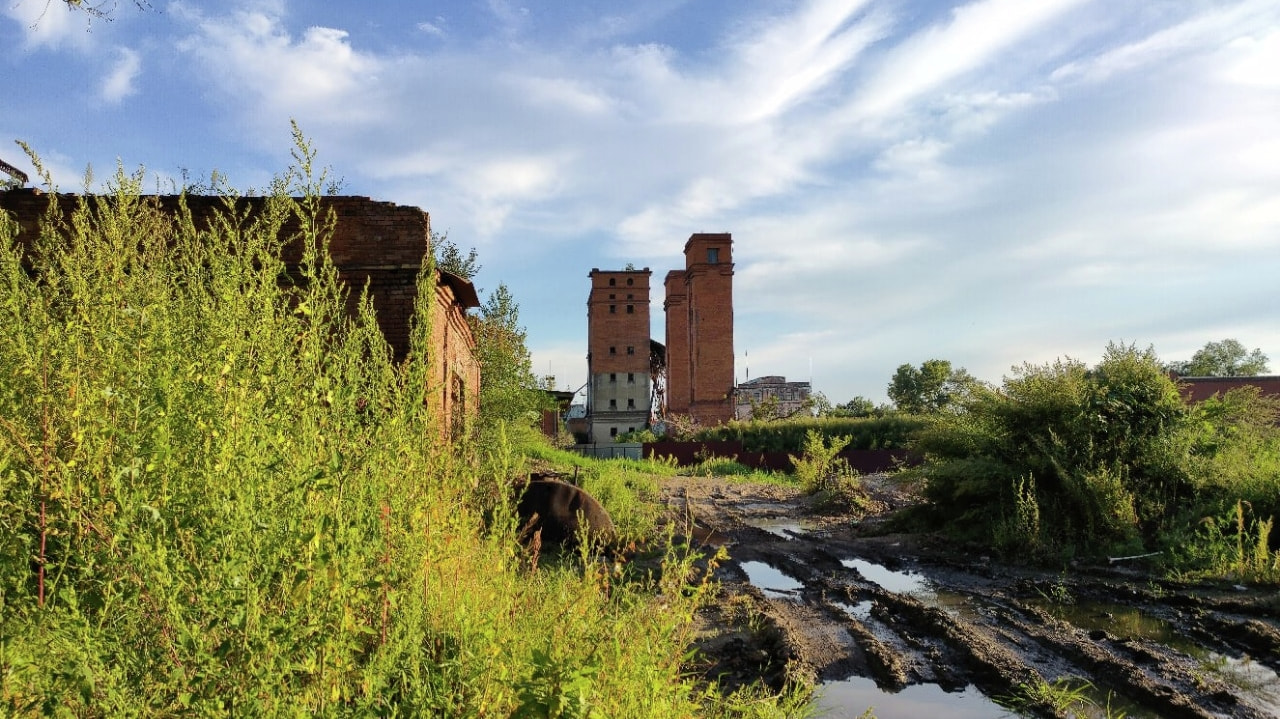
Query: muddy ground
x,y
810,593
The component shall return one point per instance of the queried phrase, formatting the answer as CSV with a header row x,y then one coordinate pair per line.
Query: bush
x,y
1088,447
820,469
893,431
1064,459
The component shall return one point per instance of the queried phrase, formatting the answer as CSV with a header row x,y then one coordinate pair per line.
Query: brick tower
x,y
676,308
618,352
699,309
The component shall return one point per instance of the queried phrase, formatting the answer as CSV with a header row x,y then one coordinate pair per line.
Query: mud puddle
x,y
850,697
913,626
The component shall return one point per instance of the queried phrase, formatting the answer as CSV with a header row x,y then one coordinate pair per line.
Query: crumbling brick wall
x,y
379,245
699,311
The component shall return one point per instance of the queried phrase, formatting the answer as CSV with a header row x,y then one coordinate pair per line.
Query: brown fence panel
x,y
687,453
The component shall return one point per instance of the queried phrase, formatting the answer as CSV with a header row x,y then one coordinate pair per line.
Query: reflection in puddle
x,y
1124,622
770,579
784,527
851,697
915,585
1252,678
1119,621
860,611
896,582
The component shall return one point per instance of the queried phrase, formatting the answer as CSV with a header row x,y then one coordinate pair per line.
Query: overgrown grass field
x,y
219,496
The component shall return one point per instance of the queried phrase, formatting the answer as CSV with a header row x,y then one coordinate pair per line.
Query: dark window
x,y
630,350
613,309
631,309
613,404
631,378
613,350
713,255
613,431
612,281
631,429
629,281
613,377
612,296
631,404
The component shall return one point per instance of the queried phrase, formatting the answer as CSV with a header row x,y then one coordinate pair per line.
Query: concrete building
x,y
787,398
699,312
618,353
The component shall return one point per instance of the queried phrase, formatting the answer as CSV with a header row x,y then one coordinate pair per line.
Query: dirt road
x,y
824,597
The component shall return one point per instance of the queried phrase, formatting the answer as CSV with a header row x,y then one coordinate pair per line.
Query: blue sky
x,y
990,182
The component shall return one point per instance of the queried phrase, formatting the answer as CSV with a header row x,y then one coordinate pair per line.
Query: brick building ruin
x,y
619,389
788,398
699,310
632,379
378,244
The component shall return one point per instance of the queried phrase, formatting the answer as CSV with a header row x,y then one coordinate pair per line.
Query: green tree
x,y
929,388
1227,358
509,391
857,407
450,258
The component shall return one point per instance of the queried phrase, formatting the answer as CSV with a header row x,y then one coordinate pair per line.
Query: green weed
x,y
219,496
1062,697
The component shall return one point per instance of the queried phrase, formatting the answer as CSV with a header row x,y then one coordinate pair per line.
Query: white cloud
x,y
977,33
433,28
119,83
562,93
255,59
996,181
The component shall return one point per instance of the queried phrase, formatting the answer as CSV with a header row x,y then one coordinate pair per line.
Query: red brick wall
x,y
618,351
611,325
677,312
378,243
709,287
457,373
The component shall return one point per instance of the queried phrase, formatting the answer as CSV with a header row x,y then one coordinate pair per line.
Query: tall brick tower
x,y
699,309
618,352
676,308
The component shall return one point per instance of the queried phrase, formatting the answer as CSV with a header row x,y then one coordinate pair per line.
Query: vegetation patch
x,y
220,496
1065,460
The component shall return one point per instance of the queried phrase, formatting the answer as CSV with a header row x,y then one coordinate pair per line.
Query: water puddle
x,y
851,697
771,580
860,611
1259,682
1125,622
897,582
1118,620
784,527
912,584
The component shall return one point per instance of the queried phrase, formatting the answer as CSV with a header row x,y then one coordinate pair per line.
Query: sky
x,y
992,183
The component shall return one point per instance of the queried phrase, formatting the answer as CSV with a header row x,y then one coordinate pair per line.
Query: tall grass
x,y
220,496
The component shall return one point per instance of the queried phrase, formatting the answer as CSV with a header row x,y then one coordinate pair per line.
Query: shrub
x,y
892,431
1091,453
820,469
